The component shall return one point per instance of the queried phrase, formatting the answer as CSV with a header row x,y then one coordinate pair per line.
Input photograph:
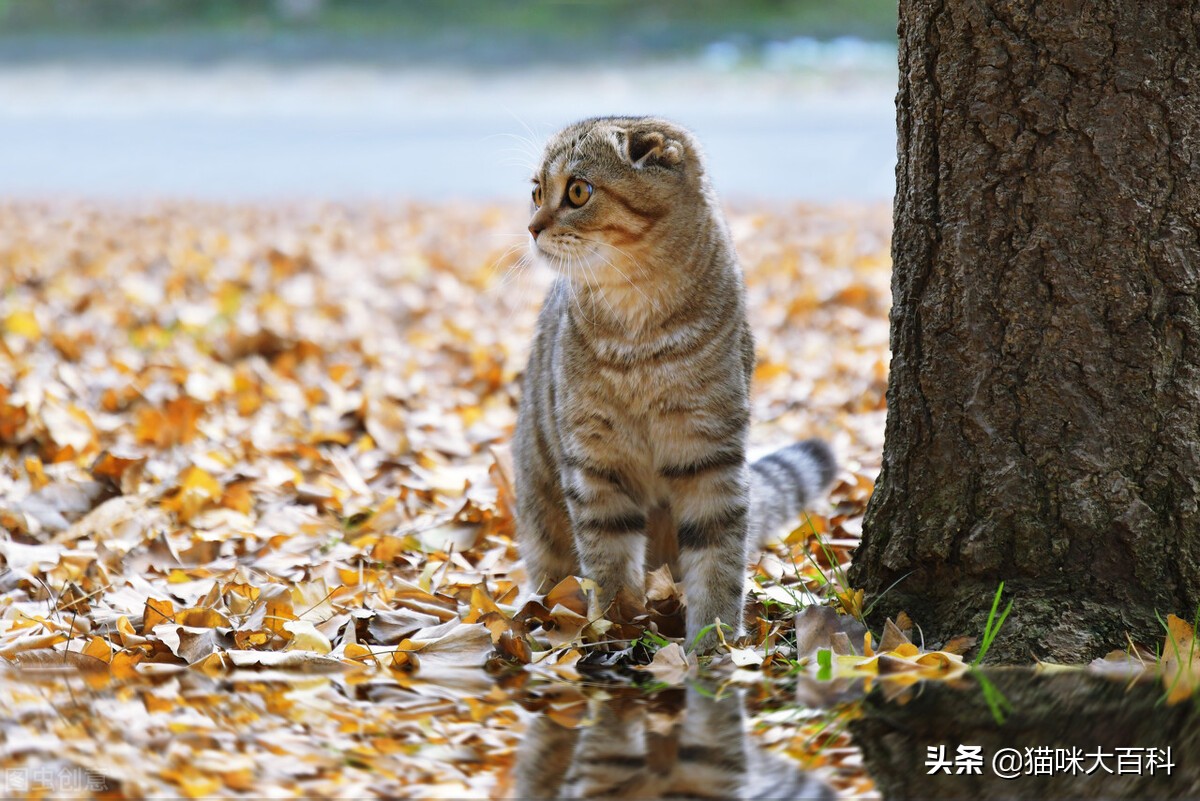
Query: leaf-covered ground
x,y
257,528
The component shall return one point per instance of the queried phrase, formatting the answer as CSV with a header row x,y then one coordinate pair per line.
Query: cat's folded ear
x,y
643,147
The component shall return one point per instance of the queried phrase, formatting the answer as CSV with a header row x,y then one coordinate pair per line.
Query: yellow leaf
x,y
36,473
97,648
939,661
1180,667
201,618
768,370
157,612
279,610
405,662
481,604
387,549
851,602
359,653
305,637
238,497
126,633
191,782
250,639
158,703
241,779
196,490
24,324
124,664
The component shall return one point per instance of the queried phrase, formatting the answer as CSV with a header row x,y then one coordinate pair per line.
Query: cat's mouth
x,y
583,261
558,254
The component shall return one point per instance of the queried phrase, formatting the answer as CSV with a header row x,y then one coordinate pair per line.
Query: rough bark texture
x,y
1071,711
1044,400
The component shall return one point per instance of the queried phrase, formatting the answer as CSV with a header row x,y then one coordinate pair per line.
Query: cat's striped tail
x,y
784,483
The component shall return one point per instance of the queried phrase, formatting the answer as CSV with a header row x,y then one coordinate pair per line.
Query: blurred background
x,y
240,100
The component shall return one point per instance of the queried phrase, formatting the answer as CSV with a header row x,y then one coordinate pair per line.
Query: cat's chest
x,y
634,392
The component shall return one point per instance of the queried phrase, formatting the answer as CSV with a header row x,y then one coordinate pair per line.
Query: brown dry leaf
x,y
176,424
569,594
672,665
893,637
959,645
191,644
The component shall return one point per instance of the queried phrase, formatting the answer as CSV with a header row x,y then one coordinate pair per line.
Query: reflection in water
x,y
677,744
1069,735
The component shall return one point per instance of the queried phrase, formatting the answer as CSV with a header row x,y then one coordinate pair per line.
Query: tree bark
x,y
1044,398
1075,713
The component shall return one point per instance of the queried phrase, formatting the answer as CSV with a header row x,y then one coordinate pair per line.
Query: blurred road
x,y
354,133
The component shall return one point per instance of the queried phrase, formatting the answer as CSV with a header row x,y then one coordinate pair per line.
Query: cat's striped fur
x,y
706,754
630,449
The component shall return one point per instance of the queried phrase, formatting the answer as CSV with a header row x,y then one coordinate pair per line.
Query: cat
x,y
630,446
625,753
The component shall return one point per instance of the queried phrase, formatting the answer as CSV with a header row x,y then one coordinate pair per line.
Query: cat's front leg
x,y
710,499
609,522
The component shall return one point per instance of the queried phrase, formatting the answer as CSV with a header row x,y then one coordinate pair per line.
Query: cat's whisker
x,y
632,260
513,268
520,270
513,161
528,145
533,141
612,311
592,281
609,262
579,283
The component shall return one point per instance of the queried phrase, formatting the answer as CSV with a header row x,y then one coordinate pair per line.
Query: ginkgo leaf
x,y
157,612
305,637
1180,661
97,648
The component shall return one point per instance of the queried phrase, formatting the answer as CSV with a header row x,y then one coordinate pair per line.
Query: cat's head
x,y
614,194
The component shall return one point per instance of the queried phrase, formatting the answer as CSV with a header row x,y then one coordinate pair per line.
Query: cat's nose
x,y
536,227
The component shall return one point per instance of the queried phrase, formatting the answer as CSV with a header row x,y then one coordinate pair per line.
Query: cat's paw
x,y
711,638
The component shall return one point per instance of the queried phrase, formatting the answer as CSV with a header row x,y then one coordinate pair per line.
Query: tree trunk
x,y
1044,399
1073,713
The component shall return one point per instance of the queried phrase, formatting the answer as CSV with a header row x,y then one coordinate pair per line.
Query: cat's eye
x,y
578,192
537,195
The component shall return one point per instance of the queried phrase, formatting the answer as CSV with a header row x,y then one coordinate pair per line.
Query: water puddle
x,y
458,732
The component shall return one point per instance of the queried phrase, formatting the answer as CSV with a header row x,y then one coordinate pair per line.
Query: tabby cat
x,y
630,448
